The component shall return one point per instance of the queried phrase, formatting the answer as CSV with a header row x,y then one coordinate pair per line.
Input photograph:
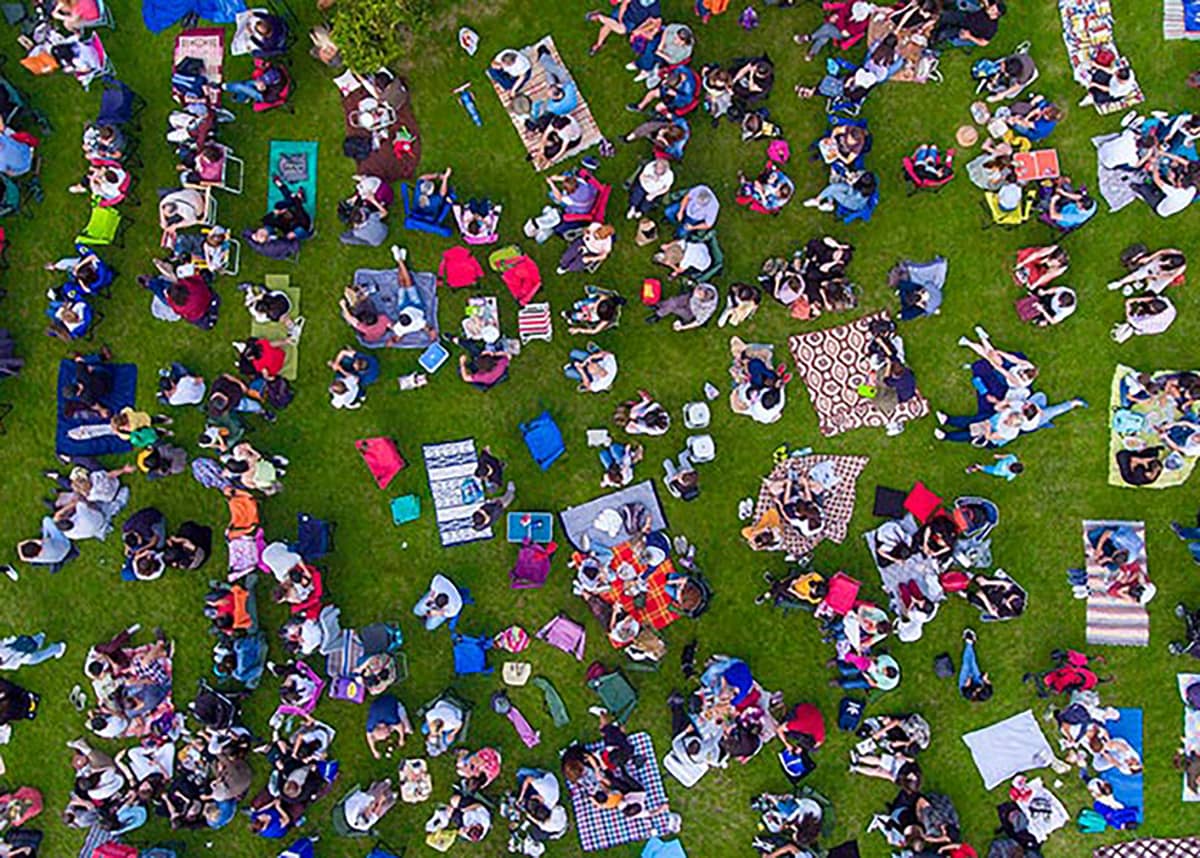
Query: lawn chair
x,y
616,694
462,705
718,259
10,198
427,220
997,216
544,439
976,517
341,823
22,107
700,583
283,98
916,183
864,214
232,179
574,223
105,226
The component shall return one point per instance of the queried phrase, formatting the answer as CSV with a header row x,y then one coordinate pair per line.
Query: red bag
x,y
523,279
114,850
651,291
1028,308
382,458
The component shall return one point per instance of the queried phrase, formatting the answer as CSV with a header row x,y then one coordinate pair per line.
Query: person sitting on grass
x,y
481,365
850,196
594,368
597,311
692,308
642,416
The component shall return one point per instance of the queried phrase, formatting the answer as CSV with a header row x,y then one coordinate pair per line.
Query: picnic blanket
x,y
276,331
395,149
1191,726
1151,847
581,521
604,829
295,161
1008,748
920,61
1115,621
1088,30
89,435
834,364
206,44
456,491
1127,788
1116,186
388,303
650,603
1133,428
836,509
537,89
1181,19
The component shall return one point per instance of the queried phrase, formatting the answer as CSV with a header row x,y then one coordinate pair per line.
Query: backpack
x,y
943,666
459,268
279,392
984,68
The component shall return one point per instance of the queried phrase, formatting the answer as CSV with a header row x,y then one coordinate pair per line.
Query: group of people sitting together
x,y
1005,403
1155,419
1156,157
813,281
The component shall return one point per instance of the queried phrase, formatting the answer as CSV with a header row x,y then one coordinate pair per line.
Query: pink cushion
x,y
843,591
383,459
921,502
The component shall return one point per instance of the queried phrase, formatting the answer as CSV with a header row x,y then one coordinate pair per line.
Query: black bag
x,y
279,392
943,666
358,148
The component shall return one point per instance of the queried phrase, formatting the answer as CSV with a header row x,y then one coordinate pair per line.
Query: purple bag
x,y
347,688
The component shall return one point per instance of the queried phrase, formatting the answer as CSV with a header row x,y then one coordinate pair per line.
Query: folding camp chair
x,y
574,223
104,19
232,179
462,705
341,823
421,220
616,694
847,216
470,654
302,848
10,198
977,528
105,225
544,439
997,216
21,107
718,259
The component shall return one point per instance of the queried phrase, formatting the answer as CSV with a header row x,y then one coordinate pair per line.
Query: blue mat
x,y
540,528
124,388
1128,788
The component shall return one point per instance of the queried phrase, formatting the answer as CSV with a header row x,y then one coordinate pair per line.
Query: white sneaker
x,y
1114,285
631,67
964,342
399,253
597,711
939,434
942,417
811,203
981,333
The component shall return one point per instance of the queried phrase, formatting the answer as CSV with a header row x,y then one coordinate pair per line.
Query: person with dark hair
x,y
968,28
489,513
850,196
441,602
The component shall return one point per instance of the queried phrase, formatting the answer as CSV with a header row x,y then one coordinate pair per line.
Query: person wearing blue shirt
x,y
16,158
1007,467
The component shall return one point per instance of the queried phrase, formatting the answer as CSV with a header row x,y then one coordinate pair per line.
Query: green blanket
x,y
287,158
1158,411
276,331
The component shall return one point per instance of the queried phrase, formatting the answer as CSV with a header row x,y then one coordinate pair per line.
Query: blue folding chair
x,y
470,654
544,439
302,848
845,215
427,219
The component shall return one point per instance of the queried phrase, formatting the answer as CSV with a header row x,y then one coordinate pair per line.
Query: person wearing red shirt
x,y
191,298
261,357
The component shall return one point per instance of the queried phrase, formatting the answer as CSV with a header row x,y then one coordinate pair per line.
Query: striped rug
x,y
1176,18
456,491
1112,621
537,89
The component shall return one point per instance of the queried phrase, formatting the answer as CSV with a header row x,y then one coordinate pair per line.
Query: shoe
x,y
13,575
801,38
811,203
597,711
826,206
981,333
399,253
676,699
942,417
964,342
641,76
1087,101
1174,648
968,636
1181,610
633,108
939,434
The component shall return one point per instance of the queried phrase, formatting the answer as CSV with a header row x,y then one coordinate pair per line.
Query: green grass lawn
x,y
377,571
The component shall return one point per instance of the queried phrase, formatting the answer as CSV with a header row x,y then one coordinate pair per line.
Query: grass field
x,y
377,571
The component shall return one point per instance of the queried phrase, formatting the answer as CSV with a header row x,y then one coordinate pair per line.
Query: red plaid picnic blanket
x,y
655,607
